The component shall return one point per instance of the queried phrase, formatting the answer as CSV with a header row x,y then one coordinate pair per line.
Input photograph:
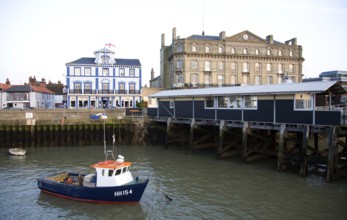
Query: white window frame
x,y
208,99
235,102
223,102
250,102
303,102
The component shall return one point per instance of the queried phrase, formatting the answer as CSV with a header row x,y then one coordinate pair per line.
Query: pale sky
x,y
37,37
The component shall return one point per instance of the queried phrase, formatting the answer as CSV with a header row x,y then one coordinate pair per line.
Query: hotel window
x,y
87,88
233,50
257,52
223,102
105,72
245,79
220,65
132,72
132,88
269,80
78,87
280,53
194,79
268,52
180,79
87,71
179,48
121,72
209,102
207,49
268,67
257,67
303,102
235,102
245,67
207,66
251,102
290,53
220,49
194,64
280,68
257,80
233,80
207,79
77,71
105,88
179,64
194,48
233,66
122,88
291,68
220,79
245,51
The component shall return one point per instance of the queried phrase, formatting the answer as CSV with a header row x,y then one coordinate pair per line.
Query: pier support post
x,y
221,139
330,162
191,133
303,165
281,148
168,133
244,142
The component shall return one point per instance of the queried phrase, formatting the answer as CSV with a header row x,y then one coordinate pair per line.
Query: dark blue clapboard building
x,y
292,103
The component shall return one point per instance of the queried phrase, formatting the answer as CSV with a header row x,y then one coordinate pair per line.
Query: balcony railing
x,y
103,91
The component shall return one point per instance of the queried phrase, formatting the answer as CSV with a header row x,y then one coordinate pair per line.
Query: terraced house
x,y
103,81
241,59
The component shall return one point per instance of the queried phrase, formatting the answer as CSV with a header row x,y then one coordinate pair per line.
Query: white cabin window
x,y
110,172
251,102
172,104
209,102
235,102
223,102
303,102
124,170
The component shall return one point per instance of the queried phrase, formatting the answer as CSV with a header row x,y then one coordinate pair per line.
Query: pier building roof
x,y
320,87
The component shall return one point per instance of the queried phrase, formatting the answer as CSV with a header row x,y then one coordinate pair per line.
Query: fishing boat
x,y
17,151
112,182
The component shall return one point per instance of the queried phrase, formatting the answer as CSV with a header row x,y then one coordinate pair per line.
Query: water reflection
x,y
200,186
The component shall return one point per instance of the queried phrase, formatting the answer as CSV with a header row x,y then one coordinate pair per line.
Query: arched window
x,y
194,48
220,49
280,68
245,51
207,49
268,52
257,52
290,53
233,50
245,67
280,53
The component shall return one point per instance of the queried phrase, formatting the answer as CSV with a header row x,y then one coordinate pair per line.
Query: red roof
x,y
4,86
41,89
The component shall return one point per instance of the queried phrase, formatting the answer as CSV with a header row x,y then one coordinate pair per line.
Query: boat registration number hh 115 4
x,y
123,192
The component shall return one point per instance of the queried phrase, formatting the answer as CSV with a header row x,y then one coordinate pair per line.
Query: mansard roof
x,y
287,88
119,62
203,37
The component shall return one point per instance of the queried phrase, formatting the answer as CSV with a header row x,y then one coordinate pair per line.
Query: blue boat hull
x,y
129,193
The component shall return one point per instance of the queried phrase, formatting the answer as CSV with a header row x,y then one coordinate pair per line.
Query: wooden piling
x,y
303,165
281,148
244,142
168,132
330,162
221,139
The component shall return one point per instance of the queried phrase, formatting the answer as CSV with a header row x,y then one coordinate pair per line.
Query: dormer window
x,y
245,51
105,59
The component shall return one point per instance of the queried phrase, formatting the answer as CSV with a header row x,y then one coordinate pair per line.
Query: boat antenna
x,y
106,152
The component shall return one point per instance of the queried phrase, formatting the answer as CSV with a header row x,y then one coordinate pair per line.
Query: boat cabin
x,y
291,103
112,173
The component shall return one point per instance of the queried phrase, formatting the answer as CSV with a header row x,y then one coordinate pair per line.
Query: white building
x,y
27,96
103,81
